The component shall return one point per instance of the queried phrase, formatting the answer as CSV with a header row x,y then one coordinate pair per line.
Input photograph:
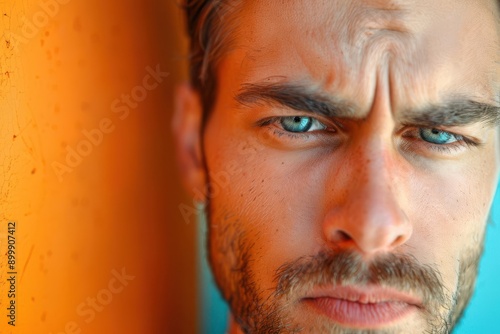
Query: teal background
x,y
482,315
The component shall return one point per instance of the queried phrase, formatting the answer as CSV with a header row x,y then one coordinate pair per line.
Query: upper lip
x,y
370,294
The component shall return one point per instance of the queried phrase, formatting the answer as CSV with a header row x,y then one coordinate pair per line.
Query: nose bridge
x,y
373,190
369,217
375,165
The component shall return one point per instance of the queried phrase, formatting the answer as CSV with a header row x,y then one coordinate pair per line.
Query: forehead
x,y
427,50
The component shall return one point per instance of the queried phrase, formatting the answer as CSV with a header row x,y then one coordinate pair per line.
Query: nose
x,y
368,215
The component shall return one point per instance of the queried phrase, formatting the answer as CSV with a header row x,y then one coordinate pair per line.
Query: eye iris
x,y
435,136
296,123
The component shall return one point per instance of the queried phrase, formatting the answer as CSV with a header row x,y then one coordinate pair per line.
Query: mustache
x,y
328,268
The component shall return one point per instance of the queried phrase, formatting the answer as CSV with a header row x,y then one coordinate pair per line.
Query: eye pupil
x,y
297,123
436,136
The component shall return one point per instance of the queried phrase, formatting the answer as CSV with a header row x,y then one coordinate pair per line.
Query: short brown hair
x,y
210,26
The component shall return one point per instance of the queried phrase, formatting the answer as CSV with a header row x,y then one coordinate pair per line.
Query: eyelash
x,y
273,123
461,142
270,121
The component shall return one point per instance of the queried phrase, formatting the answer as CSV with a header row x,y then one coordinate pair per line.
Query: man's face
x,y
354,162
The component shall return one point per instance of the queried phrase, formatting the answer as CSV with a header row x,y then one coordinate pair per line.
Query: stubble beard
x,y
231,255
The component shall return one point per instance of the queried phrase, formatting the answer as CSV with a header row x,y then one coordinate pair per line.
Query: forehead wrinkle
x,y
357,37
373,17
468,47
345,66
367,34
386,19
348,21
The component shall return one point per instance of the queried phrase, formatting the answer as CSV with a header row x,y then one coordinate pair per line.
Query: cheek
x,y
454,203
449,210
274,197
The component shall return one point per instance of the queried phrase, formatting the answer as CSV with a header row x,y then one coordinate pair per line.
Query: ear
x,y
187,132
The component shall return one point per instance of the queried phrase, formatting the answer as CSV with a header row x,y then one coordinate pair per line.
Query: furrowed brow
x,y
459,112
297,97
454,113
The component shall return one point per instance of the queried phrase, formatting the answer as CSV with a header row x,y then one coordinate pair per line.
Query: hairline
x,y
219,18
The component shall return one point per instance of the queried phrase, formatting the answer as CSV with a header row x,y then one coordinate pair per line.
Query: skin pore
x,y
359,140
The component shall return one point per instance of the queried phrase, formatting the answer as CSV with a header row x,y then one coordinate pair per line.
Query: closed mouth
x,y
367,307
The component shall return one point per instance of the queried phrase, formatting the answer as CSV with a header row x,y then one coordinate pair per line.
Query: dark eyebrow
x,y
458,112
455,112
297,97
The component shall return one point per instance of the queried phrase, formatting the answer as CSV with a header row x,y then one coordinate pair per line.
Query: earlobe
x,y
186,126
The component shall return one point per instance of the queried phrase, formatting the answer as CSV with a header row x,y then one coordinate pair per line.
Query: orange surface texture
x,y
87,170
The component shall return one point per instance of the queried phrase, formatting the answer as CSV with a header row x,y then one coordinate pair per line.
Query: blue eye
x,y
438,137
296,123
300,124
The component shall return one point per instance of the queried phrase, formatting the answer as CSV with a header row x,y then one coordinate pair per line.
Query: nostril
x,y
379,227
341,236
398,241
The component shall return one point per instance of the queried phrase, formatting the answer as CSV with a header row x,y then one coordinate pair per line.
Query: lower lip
x,y
361,315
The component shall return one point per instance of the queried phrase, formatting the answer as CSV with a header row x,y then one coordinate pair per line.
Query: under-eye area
x,y
436,141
